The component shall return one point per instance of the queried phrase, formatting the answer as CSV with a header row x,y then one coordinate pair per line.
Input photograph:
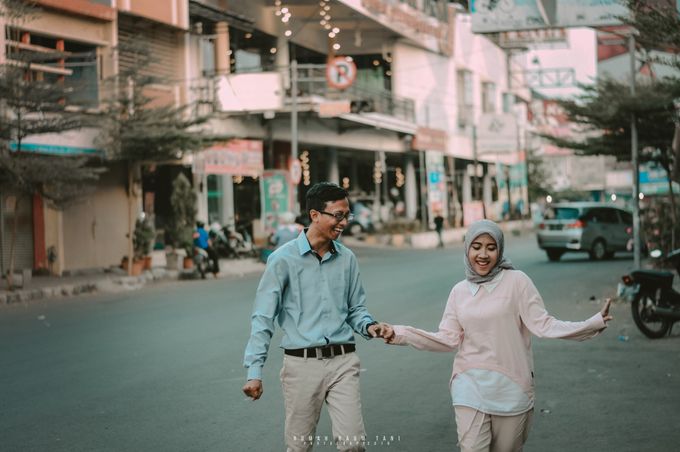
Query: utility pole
x,y
294,124
634,159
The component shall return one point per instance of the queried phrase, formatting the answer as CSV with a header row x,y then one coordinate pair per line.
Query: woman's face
x,y
483,254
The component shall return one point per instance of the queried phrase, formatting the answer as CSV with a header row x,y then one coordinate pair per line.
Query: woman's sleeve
x,y
541,324
447,339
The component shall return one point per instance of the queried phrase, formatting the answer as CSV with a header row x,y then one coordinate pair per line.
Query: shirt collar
x,y
304,246
489,285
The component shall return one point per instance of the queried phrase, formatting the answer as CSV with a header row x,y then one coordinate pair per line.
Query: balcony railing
x,y
311,82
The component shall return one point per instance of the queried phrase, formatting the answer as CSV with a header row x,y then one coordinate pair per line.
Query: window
x,y
57,60
465,98
488,97
508,102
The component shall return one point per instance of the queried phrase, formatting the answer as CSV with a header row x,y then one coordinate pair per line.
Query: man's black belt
x,y
326,351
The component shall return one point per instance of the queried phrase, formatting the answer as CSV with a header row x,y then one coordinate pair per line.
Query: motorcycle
x,y
240,242
201,261
655,304
231,244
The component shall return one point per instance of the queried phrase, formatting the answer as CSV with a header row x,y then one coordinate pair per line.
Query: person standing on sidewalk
x,y
490,317
439,226
311,287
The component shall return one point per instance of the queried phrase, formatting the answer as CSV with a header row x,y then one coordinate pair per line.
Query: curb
x,y
103,285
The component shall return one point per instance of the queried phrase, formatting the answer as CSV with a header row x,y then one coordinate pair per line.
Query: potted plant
x,y
142,240
183,202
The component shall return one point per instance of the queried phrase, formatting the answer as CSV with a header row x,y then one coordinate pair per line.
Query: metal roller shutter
x,y
23,247
162,41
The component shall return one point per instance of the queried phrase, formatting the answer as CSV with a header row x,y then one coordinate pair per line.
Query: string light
x,y
377,172
304,163
285,15
400,178
336,46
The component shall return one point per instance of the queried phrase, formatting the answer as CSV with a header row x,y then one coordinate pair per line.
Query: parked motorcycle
x,y
201,261
231,244
655,305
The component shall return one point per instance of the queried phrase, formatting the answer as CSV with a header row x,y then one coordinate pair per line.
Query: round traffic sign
x,y
341,72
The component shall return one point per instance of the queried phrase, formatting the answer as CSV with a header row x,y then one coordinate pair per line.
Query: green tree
x,y
30,107
183,202
137,128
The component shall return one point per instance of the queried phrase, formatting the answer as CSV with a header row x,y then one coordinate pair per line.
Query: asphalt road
x,y
161,369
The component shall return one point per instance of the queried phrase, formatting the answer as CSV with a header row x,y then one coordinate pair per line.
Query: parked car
x,y
596,228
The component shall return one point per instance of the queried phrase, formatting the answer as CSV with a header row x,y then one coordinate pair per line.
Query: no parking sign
x,y
341,72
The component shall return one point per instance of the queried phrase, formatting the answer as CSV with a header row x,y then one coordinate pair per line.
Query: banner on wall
x,y
436,185
277,198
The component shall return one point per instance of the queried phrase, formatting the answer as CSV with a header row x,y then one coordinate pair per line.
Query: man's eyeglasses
x,y
339,216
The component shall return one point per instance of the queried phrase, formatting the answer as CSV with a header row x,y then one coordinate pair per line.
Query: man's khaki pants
x,y
309,382
481,432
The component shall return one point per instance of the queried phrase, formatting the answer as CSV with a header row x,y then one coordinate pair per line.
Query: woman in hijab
x,y
490,317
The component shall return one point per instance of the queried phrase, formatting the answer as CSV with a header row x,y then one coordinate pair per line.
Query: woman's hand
x,y
605,310
387,333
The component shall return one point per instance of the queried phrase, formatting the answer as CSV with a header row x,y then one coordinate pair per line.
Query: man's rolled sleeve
x,y
359,318
267,302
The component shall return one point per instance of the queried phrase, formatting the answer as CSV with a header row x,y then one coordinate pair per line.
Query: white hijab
x,y
475,230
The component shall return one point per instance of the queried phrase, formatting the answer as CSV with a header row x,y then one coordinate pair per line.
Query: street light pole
x,y
294,124
634,159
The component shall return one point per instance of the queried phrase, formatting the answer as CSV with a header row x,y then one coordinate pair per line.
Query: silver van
x,y
596,228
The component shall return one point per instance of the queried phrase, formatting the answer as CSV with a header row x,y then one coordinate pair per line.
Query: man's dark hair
x,y
323,192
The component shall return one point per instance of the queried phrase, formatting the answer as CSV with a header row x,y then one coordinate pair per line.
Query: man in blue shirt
x,y
202,240
311,287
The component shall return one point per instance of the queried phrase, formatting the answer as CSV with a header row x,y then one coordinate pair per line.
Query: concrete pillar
x,y
226,184
487,195
467,188
222,54
410,188
332,168
283,60
2,40
201,189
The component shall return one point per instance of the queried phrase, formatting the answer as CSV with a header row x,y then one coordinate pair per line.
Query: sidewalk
x,y
428,239
113,280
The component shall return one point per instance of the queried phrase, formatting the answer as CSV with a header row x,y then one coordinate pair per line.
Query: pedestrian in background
x,y
490,317
438,226
287,230
311,286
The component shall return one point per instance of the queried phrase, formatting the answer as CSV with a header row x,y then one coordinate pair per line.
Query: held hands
x,y
253,389
383,330
605,310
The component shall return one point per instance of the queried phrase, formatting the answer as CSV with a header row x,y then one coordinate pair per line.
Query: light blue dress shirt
x,y
316,302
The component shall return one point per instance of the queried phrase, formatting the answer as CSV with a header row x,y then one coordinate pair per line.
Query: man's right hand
x,y
253,389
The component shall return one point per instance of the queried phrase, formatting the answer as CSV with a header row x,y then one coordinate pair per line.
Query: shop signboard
x,y
429,139
654,180
492,16
436,185
276,195
497,133
235,157
70,142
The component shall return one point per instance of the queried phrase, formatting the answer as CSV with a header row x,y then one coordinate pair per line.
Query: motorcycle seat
x,y
657,277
